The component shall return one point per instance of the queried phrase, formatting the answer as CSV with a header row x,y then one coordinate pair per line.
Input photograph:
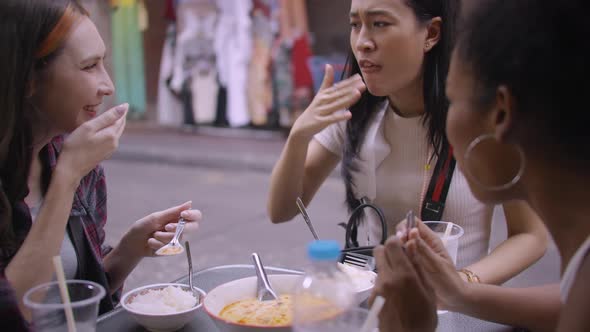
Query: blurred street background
x,y
227,178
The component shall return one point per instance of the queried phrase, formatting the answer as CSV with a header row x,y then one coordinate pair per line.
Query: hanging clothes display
x,y
300,55
259,78
282,76
256,73
282,73
128,61
233,48
302,80
169,105
293,84
195,75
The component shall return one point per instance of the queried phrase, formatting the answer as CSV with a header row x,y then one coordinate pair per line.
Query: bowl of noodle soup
x,y
234,308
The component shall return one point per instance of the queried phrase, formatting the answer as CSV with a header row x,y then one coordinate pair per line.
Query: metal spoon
x,y
263,290
173,247
303,211
196,294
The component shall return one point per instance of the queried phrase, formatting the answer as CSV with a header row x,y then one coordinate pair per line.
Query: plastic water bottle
x,y
325,293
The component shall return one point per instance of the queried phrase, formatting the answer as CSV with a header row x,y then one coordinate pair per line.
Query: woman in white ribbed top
x,y
402,181
400,54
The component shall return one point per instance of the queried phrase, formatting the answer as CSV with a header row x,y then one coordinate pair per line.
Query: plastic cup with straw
x,y
64,305
63,289
447,233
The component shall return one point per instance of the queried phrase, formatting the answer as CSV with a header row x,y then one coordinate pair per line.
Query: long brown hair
x,y
32,33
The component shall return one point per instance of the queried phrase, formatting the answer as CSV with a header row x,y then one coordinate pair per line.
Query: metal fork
x,y
264,291
362,261
303,211
410,223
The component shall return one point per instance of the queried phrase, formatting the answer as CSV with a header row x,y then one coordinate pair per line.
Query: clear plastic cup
x,y
452,241
48,311
350,320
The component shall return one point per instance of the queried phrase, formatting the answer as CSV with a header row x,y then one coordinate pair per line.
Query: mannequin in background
x,y
169,106
233,48
259,80
194,74
128,58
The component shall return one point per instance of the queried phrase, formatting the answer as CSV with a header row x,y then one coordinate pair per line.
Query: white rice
x,y
167,300
361,279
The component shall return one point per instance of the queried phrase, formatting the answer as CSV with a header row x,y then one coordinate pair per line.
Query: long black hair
x,y
24,27
435,68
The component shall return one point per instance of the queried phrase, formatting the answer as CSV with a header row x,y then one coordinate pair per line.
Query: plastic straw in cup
x,y
63,289
447,233
373,317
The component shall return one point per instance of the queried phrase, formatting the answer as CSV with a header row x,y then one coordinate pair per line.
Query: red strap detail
x,y
440,181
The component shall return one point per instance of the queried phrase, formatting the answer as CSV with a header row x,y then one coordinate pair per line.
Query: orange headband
x,y
57,35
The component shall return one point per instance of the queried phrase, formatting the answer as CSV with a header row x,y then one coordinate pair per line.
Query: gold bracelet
x,y
471,277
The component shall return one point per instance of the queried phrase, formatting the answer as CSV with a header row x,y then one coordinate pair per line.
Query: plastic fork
x,y
174,247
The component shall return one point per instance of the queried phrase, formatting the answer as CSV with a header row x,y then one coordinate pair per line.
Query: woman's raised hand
x,y
92,142
330,105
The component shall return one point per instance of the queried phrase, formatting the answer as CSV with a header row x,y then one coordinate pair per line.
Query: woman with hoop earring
x,y
519,129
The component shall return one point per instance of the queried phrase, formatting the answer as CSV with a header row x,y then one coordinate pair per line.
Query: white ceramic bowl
x,y
241,289
363,280
161,322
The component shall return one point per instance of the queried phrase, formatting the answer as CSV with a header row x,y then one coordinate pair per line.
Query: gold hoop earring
x,y
469,152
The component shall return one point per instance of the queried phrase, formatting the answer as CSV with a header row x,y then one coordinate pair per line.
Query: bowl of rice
x,y
162,307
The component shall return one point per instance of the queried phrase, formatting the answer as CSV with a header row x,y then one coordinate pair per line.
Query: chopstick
x,y
373,316
410,223
301,207
65,296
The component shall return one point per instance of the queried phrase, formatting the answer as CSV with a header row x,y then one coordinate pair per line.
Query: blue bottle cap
x,y
323,250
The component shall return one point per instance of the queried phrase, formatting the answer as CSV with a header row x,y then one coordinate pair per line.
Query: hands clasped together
x,y
415,276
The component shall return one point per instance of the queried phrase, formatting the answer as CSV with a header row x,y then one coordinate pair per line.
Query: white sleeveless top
x,y
392,175
67,251
569,276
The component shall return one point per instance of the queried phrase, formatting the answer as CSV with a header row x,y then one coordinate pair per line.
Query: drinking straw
x,y
373,317
65,296
447,233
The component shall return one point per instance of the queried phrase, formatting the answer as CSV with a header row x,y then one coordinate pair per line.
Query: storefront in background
x,y
224,63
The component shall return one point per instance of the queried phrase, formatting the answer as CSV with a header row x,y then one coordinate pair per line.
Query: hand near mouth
x,y
330,105
92,142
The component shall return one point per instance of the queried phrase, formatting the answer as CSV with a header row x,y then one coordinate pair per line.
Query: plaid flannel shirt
x,y
10,315
89,208
90,203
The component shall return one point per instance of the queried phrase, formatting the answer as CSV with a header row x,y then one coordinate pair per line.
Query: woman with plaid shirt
x,y
53,192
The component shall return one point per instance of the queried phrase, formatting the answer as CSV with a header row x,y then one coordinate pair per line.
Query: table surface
x,y
120,320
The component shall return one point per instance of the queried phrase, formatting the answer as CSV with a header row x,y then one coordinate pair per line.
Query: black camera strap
x,y
433,205
438,189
